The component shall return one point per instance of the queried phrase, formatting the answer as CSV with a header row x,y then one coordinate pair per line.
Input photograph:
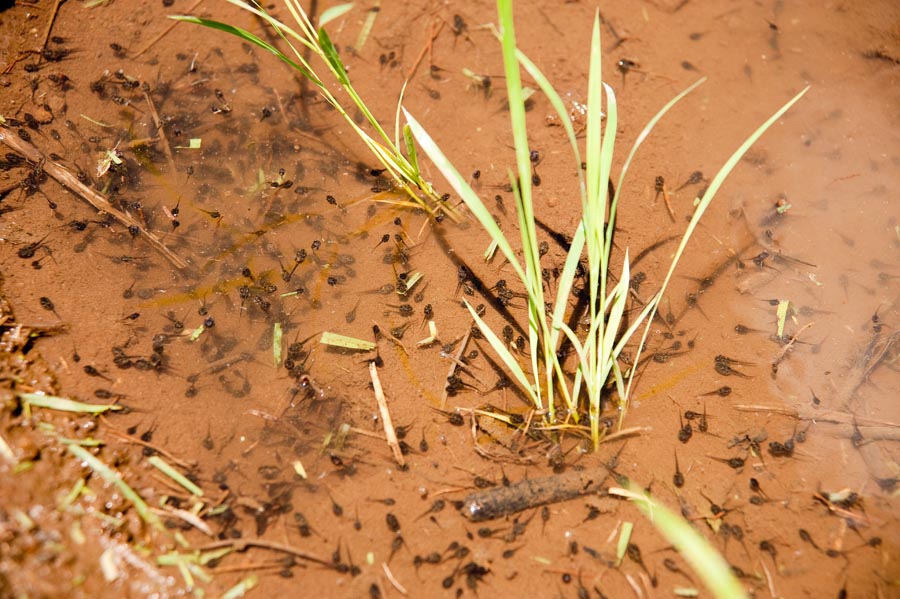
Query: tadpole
x,y
678,477
723,391
437,506
723,366
392,523
26,252
685,432
703,426
47,304
805,536
92,371
673,567
693,179
634,553
734,463
336,509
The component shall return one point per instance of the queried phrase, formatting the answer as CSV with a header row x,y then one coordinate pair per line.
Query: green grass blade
x,y
617,309
63,404
560,108
331,55
175,475
595,108
645,132
307,38
410,147
335,12
345,342
249,37
606,157
465,192
505,355
397,114
520,141
114,478
636,324
696,550
704,203
583,365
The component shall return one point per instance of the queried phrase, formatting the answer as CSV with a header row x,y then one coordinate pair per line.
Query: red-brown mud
x,y
791,472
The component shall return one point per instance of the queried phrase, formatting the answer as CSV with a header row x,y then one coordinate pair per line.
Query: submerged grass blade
x,y
277,336
335,12
114,478
175,475
703,558
241,588
345,342
63,404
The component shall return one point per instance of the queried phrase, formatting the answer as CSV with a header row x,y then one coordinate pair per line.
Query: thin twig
x,y
187,465
393,581
386,422
166,31
53,14
186,516
816,415
162,134
453,366
787,347
427,49
665,194
241,545
273,565
100,203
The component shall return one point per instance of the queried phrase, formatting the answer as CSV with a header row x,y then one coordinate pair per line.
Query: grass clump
x,y
308,39
607,331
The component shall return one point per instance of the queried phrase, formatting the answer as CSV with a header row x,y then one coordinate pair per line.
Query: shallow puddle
x,y
764,405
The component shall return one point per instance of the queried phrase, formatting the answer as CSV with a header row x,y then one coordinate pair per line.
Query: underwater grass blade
x,y
114,478
63,404
175,475
335,12
345,342
696,550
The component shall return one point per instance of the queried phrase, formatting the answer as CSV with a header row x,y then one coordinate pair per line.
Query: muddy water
x,y
281,221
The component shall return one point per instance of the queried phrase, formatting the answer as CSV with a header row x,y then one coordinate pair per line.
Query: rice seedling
x,y
607,331
404,168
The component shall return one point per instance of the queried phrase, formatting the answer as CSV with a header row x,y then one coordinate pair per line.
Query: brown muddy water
x,y
784,447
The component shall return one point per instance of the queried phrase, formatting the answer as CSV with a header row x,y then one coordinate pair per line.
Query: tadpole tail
x,y
531,493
